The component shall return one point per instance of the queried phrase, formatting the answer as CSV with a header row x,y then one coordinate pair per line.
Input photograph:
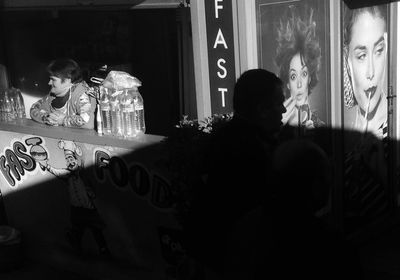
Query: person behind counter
x,y
68,103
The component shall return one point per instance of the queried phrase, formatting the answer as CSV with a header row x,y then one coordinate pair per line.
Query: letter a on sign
x,y
220,40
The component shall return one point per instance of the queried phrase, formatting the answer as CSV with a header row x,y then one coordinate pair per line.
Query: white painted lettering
x,y
223,90
220,40
220,66
217,7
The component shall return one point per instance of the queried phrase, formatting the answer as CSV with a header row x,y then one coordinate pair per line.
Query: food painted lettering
x,y
134,177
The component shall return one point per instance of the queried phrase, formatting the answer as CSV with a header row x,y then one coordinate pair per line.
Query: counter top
x,y
30,127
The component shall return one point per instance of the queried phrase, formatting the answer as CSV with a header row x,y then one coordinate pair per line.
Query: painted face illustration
x,y
72,162
38,153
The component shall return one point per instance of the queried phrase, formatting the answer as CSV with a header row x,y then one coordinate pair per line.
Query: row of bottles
x,y
11,105
121,112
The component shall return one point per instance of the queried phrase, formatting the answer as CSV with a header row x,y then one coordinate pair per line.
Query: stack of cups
x,y
11,105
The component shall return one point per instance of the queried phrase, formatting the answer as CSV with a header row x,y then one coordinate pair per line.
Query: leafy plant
x,y
188,146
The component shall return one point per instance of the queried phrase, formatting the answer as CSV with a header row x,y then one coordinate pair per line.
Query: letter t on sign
x,y
222,91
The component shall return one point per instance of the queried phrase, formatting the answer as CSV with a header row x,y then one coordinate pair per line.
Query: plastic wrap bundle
x,y
126,109
120,80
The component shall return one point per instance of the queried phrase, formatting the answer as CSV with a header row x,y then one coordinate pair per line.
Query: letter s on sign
x,y
224,72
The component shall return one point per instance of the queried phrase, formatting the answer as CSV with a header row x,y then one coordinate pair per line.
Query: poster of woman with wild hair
x,y
293,42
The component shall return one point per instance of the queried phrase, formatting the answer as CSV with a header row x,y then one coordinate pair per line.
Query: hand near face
x,y
49,121
290,110
309,124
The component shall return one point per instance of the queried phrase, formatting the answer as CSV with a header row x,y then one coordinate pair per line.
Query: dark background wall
x,y
145,43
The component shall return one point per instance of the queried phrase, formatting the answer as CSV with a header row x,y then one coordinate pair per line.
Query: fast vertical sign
x,y
221,54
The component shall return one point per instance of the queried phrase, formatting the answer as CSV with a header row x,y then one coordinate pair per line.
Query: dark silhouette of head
x,y
258,97
303,171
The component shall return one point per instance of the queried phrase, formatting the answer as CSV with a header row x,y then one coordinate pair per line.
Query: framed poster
x,y
369,192
365,53
293,42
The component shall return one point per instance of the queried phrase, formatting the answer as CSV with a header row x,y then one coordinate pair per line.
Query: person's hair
x,y
296,34
255,87
351,16
65,68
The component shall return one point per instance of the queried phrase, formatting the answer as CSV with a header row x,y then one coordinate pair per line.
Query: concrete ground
x,y
380,257
62,264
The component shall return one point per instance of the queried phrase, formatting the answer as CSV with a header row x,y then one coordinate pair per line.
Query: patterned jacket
x,y
77,112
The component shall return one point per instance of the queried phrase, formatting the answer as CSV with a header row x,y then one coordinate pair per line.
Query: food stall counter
x,y
28,126
47,173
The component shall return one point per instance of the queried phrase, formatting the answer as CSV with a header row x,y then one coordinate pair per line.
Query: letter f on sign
x,y
217,7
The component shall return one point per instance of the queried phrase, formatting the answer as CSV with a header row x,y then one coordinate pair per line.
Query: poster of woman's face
x,y
293,40
365,51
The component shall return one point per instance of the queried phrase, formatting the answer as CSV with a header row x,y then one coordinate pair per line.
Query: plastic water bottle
x,y
99,122
128,113
116,116
2,108
140,126
11,93
19,104
105,109
9,114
